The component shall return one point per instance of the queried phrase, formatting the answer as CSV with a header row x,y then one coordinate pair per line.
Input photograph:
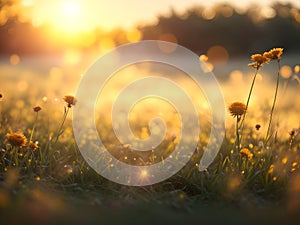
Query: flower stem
x,y
16,158
237,146
250,92
33,128
248,101
59,132
273,105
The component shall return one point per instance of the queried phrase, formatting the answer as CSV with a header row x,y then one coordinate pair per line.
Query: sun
x,y
70,9
69,17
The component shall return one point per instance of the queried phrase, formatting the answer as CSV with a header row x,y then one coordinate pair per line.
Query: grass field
x,y
48,181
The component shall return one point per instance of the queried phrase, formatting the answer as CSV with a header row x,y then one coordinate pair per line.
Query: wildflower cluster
x,y
238,109
260,59
20,150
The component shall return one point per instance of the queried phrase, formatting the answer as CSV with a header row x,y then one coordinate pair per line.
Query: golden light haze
x,y
83,15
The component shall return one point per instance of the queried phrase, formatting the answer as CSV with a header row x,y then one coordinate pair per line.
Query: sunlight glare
x,y
69,17
27,3
70,9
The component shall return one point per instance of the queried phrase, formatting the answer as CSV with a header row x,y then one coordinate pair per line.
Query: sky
x,y
80,15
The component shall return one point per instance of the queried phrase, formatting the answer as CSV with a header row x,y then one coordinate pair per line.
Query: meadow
x,y
254,178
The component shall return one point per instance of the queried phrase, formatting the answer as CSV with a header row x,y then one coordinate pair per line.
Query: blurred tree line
x,y
197,29
240,33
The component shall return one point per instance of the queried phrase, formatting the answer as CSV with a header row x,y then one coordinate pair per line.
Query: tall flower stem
x,y
268,136
60,129
258,61
242,124
237,143
249,95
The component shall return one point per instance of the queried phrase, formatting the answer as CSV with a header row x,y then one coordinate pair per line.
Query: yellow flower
x,y
259,60
245,153
273,54
237,109
18,140
37,108
70,100
33,145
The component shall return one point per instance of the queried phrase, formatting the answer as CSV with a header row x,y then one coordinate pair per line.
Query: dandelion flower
x,y
259,60
237,109
273,54
70,100
245,153
33,145
18,140
37,108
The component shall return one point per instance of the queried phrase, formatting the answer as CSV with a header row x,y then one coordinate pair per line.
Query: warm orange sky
x,y
79,15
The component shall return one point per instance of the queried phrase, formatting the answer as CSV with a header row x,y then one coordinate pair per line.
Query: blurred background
x,y
31,27
52,43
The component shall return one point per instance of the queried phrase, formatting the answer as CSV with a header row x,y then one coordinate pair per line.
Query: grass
x,y
54,184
